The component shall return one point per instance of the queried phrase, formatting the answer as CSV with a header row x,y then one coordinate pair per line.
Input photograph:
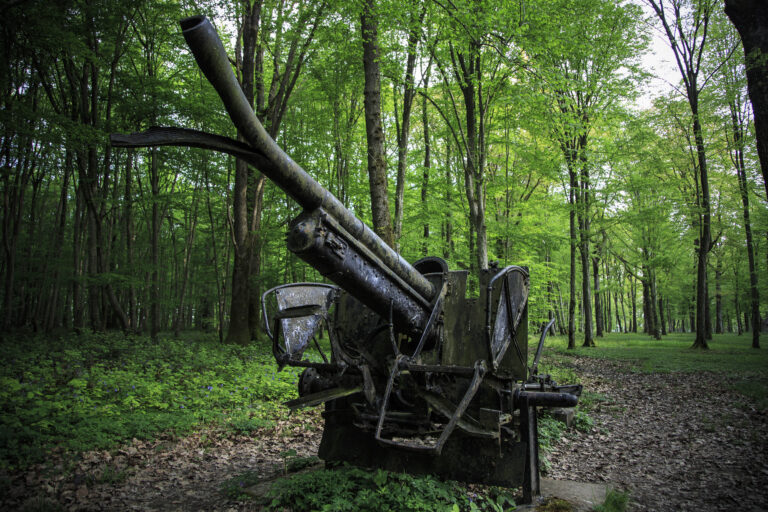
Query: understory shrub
x,y
95,390
352,489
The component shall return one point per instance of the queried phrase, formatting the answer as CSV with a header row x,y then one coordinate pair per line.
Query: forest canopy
x,y
478,131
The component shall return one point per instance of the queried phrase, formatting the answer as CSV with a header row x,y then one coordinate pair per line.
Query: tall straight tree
x,y
731,81
266,29
377,160
467,55
579,49
686,24
415,19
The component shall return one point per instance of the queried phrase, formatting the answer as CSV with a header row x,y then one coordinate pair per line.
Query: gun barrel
x,y
212,59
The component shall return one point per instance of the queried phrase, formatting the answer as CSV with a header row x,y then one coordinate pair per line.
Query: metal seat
x,y
298,312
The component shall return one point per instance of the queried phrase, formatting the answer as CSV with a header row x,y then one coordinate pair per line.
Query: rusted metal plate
x,y
301,308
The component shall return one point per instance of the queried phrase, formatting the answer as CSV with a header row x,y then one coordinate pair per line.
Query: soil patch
x,y
675,441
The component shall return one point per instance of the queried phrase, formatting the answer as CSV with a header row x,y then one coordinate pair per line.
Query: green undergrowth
x,y
94,391
728,353
615,501
353,489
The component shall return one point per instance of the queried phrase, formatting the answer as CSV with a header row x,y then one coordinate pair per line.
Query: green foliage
x,y
355,489
234,488
93,391
728,353
583,421
294,464
589,399
615,501
550,431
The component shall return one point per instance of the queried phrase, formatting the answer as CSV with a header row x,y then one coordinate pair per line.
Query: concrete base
x,y
583,497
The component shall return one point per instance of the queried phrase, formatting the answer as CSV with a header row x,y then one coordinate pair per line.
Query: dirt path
x,y
165,474
677,442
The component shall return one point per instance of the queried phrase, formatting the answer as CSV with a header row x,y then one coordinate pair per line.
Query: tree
x,y
686,24
264,27
578,70
750,17
377,161
731,80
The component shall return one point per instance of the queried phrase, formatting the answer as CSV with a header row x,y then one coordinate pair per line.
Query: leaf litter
x,y
675,441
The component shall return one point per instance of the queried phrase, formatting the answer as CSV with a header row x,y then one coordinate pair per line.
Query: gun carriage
x,y
419,377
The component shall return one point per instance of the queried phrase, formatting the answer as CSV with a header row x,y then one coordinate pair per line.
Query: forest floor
x,y
675,441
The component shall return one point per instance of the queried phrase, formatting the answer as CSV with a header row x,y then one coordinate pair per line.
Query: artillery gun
x,y
419,377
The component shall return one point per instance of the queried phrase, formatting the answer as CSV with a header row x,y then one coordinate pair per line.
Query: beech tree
x,y
508,127
750,17
579,69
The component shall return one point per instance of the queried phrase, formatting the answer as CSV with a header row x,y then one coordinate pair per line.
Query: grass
x,y
728,354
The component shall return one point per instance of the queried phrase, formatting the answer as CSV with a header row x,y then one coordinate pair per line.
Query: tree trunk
x,y
584,246
737,157
403,128
598,299
633,296
427,165
154,293
179,317
718,297
652,300
448,222
377,162
750,17
705,231
572,275
128,220
239,331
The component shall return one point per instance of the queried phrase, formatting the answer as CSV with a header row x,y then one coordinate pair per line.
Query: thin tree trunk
x,y
737,157
403,128
718,297
377,163
633,296
427,166
185,266
598,302
572,276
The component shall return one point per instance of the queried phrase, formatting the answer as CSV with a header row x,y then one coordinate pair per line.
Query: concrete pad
x,y
583,496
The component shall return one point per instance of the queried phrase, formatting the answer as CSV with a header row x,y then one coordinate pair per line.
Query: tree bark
x,y
750,17
403,128
572,275
377,162
737,157
598,303
427,166
718,297
239,331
